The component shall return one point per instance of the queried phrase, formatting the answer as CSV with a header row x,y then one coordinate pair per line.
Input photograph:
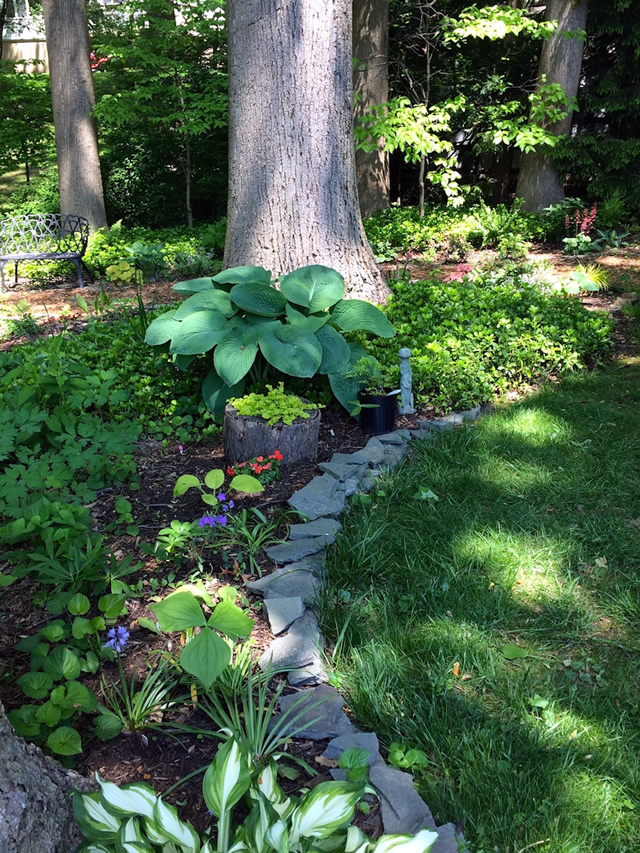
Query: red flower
x,y
259,458
230,470
266,466
278,455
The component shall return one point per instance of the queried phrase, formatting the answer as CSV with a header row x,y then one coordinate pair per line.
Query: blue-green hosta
x,y
133,818
247,324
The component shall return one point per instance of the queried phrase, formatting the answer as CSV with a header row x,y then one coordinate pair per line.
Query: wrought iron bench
x,y
49,236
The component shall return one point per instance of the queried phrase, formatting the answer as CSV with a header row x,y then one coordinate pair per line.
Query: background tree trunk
x,y
561,61
73,99
36,812
292,187
371,88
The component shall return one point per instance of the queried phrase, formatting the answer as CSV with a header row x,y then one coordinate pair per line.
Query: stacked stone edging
x,y
291,592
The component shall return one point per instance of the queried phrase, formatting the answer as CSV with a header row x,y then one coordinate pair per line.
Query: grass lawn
x,y
497,628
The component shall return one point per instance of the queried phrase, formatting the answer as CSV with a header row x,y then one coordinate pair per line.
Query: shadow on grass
x,y
533,543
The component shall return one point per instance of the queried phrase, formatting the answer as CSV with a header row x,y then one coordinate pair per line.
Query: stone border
x,y
291,592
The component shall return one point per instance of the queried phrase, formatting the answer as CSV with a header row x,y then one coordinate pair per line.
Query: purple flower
x,y
226,507
221,496
213,521
117,639
181,448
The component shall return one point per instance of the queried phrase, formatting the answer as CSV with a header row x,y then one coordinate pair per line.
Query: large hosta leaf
x,y
335,350
194,285
258,298
162,329
346,387
236,275
234,356
215,393
350,315
208,300
205,656
316,287
311,323
199,332
292,351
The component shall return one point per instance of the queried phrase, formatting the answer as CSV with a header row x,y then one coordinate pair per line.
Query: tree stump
x,y
36,812
246,437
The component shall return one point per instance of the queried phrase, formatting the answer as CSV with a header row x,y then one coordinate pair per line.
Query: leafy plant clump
x,y
274,406
488,333
248,327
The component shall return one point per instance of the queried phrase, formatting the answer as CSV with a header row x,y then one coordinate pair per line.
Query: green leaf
x,y
350,315
53,632
324,809
194,285
184,483
420,843
80,697
236,275
231,620
247,484
227,778
80,627
209,300
205,657
149,624
179,612
62,663
112,604
214,478
257,298
35,685
24,721
78,604
7,580
292,351
65,741
161,330
108,725
315,287
311,323
199,332
234,356
346,387
538,701
165,818
93,818
511,652
335,351
48,714
133,799
215,393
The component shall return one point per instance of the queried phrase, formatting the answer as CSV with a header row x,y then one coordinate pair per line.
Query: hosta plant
x,y
251,328
132,817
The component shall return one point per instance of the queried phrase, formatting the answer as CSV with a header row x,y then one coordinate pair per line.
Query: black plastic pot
x,y
381,417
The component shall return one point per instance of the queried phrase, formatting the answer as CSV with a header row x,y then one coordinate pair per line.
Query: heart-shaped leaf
x,y
205,657
315,287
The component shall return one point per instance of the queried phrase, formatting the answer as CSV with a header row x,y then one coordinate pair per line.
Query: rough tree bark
x,y
371,88
561,61
36,812
73,100
292,187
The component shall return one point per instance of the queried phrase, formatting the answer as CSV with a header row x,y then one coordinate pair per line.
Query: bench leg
x,y
88,271
15,273
76,263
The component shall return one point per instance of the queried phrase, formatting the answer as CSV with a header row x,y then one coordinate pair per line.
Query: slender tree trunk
x,y
371,88
292,188
560,62
73,100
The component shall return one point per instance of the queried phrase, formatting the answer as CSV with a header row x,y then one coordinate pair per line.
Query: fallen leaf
x,y
326,762
512,652
456,668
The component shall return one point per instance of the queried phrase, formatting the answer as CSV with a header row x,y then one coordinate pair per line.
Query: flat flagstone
x,y
392,438
374,454
403,809
291,552
448,840
321,497
342,470
281,612
323,720
309,676
358,740
300,646
291,581
325,528
356,458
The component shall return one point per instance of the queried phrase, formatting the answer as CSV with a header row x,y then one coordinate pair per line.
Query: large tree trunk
x,y
292,188
561,61
36,813
371,88
73,100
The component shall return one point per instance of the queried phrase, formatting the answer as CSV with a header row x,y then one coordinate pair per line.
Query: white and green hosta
x,y
132,819
248,324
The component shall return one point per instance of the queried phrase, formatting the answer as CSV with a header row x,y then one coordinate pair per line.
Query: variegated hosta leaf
x,y
227,778
96,823
93,847
268,786
236,847
130,831
167,821
134,799
256,825
325,809
357,841
278,836
153,833
420,843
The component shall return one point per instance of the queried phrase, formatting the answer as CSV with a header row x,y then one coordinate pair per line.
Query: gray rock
x,y
310,676
374,454
343,471
359,740
472,414
448,840
631,296
289,582
291,552
325,528
394,453
422,434
351,486
402,808
298,648
435,426
391,438
323,716
321,497
282,612
356,458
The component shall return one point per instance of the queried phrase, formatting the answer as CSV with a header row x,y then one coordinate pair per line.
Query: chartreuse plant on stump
x,y
134,818
252,328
